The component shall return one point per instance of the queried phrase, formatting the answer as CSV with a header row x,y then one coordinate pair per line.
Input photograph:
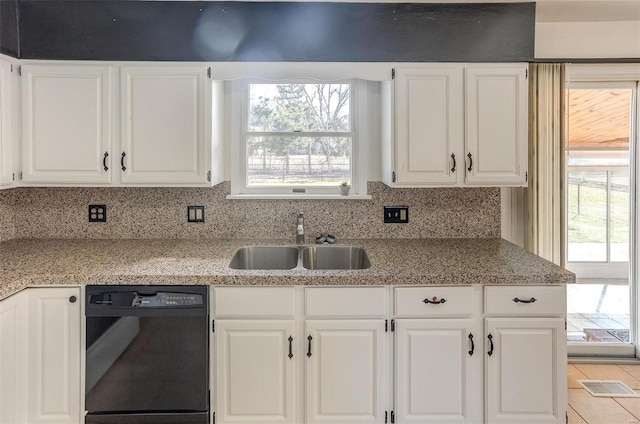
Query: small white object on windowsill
x,y
344,188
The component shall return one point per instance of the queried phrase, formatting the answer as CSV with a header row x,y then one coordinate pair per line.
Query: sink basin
x,y
265,257
335,257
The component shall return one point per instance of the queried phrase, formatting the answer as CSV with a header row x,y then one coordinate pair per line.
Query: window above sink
x,y
298,138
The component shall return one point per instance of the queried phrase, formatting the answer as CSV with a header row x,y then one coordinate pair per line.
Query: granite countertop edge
x,y
61,262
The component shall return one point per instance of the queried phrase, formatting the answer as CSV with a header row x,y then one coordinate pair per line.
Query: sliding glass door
x,y
600,216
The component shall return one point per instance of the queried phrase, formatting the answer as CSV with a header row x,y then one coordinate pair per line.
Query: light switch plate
x,y
195,213
396,214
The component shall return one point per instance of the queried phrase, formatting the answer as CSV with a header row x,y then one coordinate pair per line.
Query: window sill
x,y
301,196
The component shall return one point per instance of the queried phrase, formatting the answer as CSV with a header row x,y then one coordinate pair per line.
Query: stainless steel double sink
x,y
302,257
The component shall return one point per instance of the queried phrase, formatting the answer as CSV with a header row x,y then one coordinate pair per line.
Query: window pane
x,y
587,216
620,215
298,160
299,107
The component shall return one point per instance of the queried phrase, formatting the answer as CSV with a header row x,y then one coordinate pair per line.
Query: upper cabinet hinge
x,y
213,325
393,328
209,176
393,176
393,73
209,72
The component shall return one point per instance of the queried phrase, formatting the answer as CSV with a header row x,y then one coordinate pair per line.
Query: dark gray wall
x,y
9,27
275,31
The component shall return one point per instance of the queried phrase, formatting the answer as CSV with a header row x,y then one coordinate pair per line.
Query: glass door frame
x,y
612,76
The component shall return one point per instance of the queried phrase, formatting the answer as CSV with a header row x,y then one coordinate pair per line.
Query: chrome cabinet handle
x,y
309,348
435,301
470,162
124,168
104,161
473,346
532,300
490,337
290,347
453,157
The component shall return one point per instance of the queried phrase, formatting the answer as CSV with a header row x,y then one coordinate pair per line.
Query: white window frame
x,y
239,128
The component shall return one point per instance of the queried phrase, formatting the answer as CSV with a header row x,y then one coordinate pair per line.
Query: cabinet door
x,y
496,125
163,120
526,371
54,355
438,371
345,371
254,372
13,359
429,116
67,114
7,136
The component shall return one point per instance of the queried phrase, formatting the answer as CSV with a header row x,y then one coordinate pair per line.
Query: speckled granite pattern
x,y
33,262
161,213
7,207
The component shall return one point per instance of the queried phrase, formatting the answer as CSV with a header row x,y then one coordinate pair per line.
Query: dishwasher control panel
x,y
135,299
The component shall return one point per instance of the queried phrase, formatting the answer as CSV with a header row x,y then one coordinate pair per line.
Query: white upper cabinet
x,y
67,114
164,136
496,125
428,114
8,133
456,124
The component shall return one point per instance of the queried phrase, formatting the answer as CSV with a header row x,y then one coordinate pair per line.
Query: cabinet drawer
x,y
446,301
525,300
248,302
345,301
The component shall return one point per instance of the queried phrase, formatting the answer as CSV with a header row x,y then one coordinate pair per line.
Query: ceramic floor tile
x,y
574,374
574,418
598,410
608,372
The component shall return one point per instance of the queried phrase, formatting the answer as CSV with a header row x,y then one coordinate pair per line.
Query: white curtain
x,y
544,203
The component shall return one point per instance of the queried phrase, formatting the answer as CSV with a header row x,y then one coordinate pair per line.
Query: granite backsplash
x,y
162,213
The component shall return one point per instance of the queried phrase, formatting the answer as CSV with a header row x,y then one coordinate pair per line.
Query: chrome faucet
x,y
300,229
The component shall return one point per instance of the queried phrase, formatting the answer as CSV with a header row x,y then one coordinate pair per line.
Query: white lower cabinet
x,y
13,358
438,371
345,369
526,368
255,371
404,355
42,368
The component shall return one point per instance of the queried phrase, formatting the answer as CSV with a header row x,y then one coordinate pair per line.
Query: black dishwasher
x,y
147,355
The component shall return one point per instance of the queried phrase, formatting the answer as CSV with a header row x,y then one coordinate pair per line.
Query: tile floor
x,y
587,409
596,306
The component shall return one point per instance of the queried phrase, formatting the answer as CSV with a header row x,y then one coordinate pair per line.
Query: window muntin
x,y
298,136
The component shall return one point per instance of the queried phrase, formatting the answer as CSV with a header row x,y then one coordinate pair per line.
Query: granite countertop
x,y
36,262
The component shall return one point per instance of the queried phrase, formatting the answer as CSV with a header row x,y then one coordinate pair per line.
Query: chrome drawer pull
x,y
434,300
532,300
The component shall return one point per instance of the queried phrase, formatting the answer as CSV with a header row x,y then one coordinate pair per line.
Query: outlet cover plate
x,y
396,214
195,213
97,213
